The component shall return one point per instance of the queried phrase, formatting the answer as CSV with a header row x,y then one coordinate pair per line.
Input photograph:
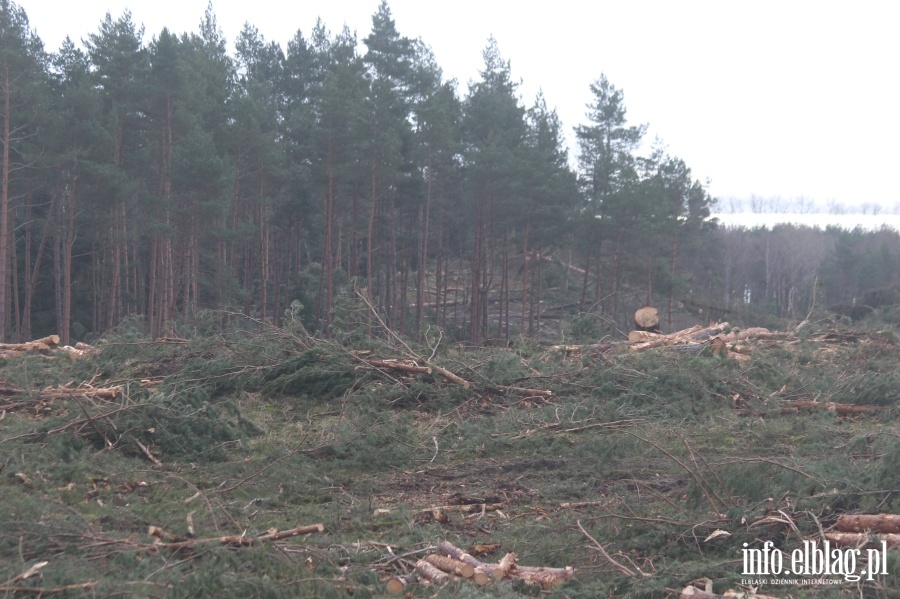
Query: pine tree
x,y
436,114
494,132
550,195
339,134
255,113
22,72
608,173
72,139
389,59
121,70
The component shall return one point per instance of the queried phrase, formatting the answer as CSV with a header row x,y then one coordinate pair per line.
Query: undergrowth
x,y
671,461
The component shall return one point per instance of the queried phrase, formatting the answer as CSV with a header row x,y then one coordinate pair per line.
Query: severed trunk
x,y
887,523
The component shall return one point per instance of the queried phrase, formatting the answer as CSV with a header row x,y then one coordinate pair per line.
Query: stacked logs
x,y
719,339
450,562
866,530
44,346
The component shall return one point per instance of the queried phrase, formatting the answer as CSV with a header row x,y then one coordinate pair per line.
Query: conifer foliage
x,y
155,174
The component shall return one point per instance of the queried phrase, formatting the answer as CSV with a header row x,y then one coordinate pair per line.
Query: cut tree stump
x,y
647,319
396,584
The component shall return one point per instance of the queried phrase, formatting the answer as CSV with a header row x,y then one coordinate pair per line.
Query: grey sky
x,y
787,98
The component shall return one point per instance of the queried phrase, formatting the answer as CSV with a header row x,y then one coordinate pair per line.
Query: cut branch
x,y
237,540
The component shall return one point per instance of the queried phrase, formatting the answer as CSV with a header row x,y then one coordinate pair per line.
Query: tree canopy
x,y
149,179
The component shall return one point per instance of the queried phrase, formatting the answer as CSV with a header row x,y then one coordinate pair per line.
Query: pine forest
x,y
151,180
307,318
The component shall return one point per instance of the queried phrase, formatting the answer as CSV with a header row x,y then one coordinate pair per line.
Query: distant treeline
x,y
146,181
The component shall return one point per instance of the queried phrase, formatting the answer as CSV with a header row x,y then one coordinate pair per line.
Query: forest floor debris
x,y
642,471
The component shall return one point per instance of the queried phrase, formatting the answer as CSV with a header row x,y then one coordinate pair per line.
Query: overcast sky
x,y
769,98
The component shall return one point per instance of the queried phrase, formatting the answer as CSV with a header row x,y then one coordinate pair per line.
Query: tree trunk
x,y
370,232
525,270
4,201
887,523
672,276
423,256
329,241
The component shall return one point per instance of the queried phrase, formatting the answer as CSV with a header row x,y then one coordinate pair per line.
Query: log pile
x,y
866,530
717,339
46,346
450,562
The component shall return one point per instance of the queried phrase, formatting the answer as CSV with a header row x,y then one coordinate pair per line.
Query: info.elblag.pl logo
x,y
815,560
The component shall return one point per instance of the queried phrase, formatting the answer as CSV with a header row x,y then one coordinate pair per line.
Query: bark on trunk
x,y
887,523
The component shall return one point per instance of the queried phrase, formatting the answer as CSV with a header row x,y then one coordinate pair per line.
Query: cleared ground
x,y
669,462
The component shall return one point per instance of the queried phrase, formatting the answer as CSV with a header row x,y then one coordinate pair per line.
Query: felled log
x,y
755,333
453,378
859,539
693,335
451,565
45,343
429,572
400,366
692,592
507,567
396,584
676,338
840,409
594,348
546,578
849,409
647,319
886,523
469,508
691,340
237,540
447,548
638,336
82,390
526,391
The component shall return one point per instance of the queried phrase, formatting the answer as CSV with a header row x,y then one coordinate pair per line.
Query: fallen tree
x,y
719,339
838,408
450,561
885,523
